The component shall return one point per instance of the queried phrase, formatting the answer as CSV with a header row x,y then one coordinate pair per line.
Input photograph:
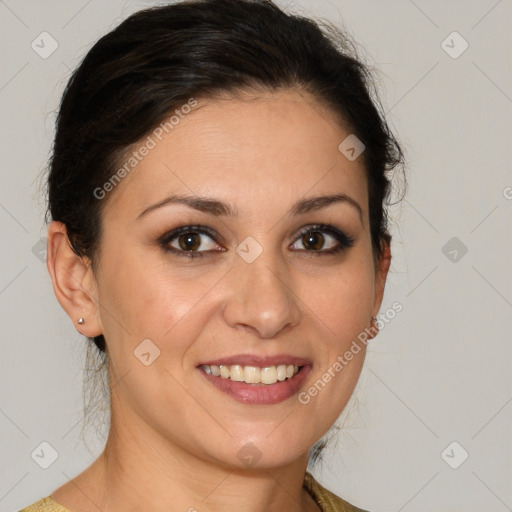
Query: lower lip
x,y
260,394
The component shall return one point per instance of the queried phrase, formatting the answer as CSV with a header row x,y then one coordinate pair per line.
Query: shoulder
x,y
46,504
326,500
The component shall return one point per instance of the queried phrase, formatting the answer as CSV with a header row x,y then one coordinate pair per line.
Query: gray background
x,y
439,372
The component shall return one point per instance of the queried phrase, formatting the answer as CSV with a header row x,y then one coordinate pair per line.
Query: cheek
x,y
342,299
145,298
340,305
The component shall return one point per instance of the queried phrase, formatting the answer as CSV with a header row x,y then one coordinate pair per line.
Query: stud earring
x,y
81,321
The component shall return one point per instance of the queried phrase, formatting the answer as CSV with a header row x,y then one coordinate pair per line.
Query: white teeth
x,y
281,372
237,373
252,374
269,375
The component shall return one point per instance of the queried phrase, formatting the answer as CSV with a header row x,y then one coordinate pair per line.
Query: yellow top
x,y
326,500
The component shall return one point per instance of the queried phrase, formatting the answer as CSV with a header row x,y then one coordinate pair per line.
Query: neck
x,y
141,470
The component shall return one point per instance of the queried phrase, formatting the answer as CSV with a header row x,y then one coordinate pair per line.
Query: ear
x,y
381,273
73,281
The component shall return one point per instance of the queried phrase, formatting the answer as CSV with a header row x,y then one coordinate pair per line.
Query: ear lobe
x,y
73,281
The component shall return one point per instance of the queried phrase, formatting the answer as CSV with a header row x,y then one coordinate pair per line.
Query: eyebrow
x,y
219,208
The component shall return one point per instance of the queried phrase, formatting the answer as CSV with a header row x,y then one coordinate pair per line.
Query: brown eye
x,y
322,239
189,241
313,240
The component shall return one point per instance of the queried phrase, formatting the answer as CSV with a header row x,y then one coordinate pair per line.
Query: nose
x,y
261,300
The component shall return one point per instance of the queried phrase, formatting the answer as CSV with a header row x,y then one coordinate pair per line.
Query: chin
x,y
262,450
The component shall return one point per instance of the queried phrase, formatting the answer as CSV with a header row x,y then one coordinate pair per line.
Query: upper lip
x,y
259,361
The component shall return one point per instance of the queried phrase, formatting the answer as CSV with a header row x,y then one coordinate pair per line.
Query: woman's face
x,y
248,280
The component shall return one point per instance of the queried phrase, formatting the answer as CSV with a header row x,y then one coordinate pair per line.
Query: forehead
x,y
260,148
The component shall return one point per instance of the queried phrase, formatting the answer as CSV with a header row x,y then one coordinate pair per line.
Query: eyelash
x,y
175,233
344,241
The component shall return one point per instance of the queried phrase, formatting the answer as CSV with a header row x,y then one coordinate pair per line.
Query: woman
x,y
217,193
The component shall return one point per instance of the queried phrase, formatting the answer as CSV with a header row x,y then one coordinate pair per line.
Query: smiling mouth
x,y
267,375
